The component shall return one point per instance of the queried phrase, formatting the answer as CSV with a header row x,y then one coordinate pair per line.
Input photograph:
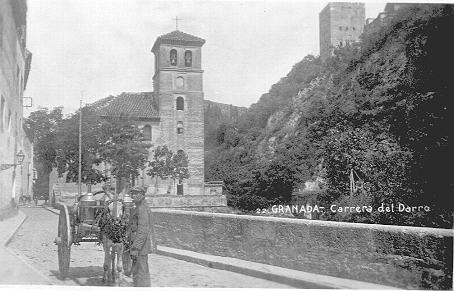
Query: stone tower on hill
x,y
341,23
178,91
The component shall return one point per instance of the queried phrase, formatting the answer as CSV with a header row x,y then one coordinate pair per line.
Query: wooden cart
x,y
77,224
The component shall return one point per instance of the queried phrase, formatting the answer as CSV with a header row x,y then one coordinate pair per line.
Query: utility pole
x,y
21,180
28,179
80,149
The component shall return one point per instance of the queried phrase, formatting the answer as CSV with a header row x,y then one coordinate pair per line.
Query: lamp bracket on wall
x,y
27,101
6,166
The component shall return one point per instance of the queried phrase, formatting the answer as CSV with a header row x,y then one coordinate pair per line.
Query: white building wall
x,y
12,72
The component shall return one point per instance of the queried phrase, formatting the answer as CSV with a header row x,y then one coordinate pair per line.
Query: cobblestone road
x,y
34,243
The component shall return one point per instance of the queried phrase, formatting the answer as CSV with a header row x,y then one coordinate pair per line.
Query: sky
x,y
91,49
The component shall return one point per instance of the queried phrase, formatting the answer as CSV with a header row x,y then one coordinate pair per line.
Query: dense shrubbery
x,y
380,109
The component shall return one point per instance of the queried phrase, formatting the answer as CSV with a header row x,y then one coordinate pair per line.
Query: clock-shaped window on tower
x,y
179,127
173,57
188,58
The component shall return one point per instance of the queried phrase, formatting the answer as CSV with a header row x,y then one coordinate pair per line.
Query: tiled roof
x,y
135,105
178,37
181,36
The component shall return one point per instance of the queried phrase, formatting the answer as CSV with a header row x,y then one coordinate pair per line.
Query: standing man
x,y
140,238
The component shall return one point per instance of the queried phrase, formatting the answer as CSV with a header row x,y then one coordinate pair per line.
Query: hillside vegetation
x,y
380,109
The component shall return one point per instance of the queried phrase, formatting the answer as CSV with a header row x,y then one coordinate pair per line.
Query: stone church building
x,y
172,115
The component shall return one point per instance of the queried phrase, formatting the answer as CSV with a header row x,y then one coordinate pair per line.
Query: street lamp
x,y
20,158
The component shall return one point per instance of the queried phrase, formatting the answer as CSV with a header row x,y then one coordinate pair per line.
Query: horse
x,y
112,221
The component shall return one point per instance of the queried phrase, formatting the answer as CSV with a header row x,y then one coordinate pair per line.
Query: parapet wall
x,y
405,257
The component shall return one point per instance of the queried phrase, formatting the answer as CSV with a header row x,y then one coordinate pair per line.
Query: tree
x,y
42,126
381,163
68,148
116,142
166,164
123,148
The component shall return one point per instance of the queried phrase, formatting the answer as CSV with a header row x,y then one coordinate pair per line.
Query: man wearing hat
x,y
140,226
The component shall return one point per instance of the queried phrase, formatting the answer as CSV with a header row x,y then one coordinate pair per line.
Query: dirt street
x,y
34,243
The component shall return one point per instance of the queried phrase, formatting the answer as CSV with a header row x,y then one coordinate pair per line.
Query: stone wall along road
x,y
34,243
404,257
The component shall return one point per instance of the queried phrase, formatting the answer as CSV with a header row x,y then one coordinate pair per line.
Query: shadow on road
x,y
83,276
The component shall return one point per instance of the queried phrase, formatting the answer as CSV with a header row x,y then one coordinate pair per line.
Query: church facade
x,y
172,115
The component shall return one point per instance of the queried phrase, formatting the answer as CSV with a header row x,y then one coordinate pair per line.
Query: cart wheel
x,y
64,244
127,263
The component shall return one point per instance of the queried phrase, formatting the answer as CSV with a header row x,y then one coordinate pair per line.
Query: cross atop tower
x,y
176,21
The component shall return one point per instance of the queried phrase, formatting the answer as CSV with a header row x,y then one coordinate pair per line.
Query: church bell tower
x,y
178,94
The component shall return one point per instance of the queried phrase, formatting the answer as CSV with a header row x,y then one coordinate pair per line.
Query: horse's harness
x,y
105,213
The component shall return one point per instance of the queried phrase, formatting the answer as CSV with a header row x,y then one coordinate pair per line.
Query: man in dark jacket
x,y
140,238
